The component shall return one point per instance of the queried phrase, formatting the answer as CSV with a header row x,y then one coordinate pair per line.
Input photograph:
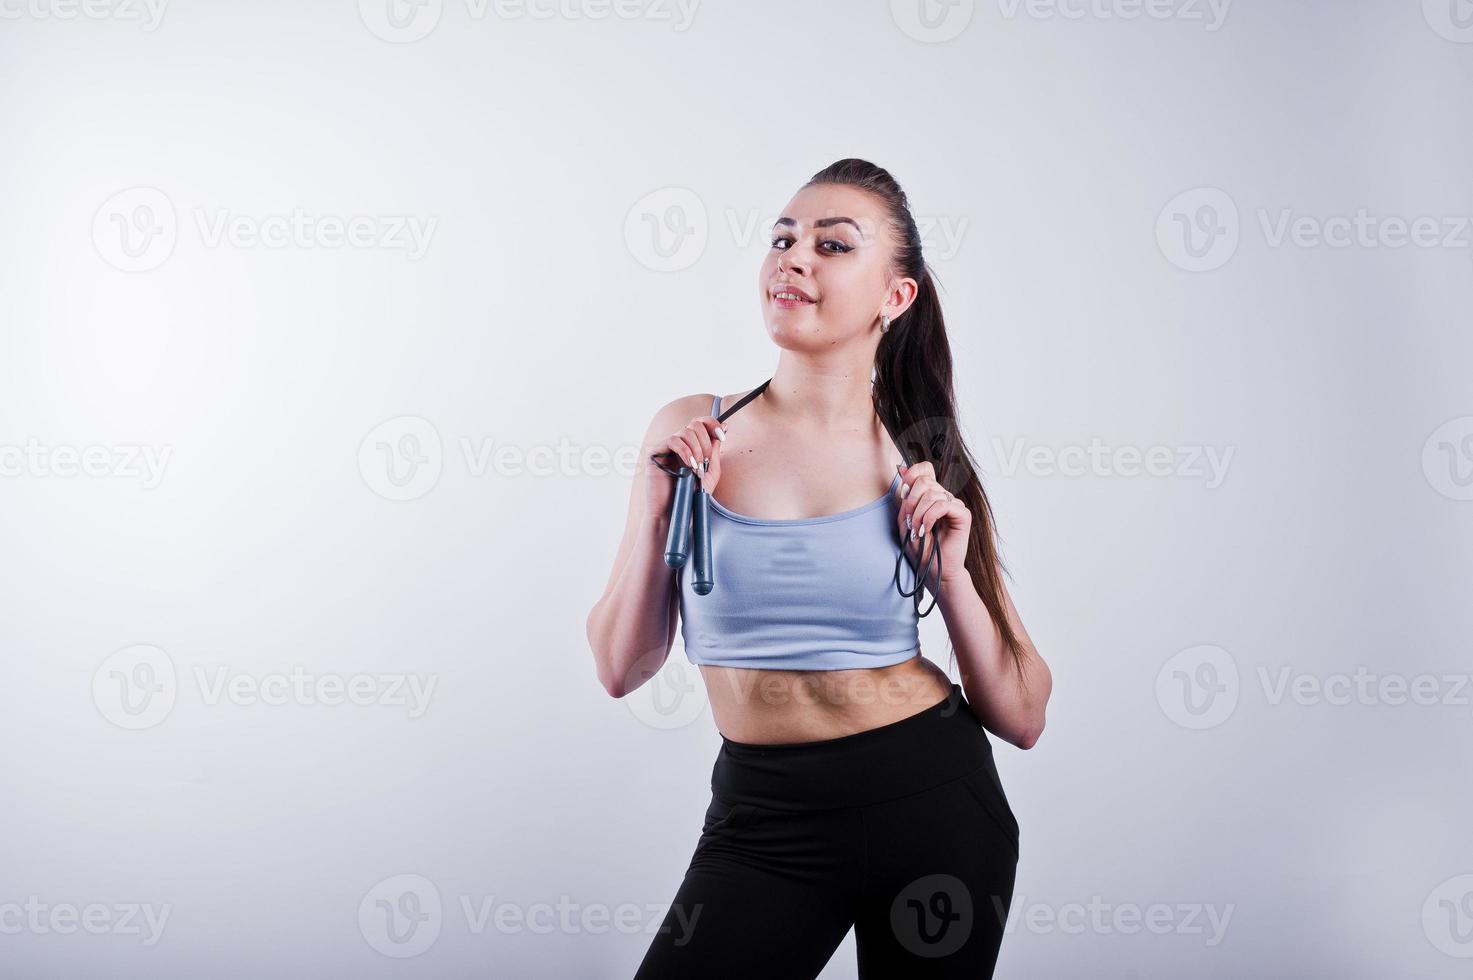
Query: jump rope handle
x,y
690,515
701,574
677,543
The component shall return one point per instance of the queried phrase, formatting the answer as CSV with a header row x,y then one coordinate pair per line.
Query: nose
x,y
789,262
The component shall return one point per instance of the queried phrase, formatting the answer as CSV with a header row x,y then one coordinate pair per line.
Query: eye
x,y
839,249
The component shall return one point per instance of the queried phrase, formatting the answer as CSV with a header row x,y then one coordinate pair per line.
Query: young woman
x,y
855,785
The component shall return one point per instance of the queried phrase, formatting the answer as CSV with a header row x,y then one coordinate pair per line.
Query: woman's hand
x,y
927,507
697,447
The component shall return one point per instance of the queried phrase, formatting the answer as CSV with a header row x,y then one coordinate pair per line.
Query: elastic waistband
x,y
938,744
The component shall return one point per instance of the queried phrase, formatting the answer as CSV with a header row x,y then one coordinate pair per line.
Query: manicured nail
x,y
904,489
923,531
721,433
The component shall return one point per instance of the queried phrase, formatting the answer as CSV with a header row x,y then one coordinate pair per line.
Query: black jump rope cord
x,y
690,519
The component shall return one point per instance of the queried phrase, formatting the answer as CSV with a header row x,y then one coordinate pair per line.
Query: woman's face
x,y
831,245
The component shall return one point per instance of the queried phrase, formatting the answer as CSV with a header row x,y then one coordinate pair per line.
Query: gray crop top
x,y
806,593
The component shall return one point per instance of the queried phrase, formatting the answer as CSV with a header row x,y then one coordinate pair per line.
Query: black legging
x,y
902,832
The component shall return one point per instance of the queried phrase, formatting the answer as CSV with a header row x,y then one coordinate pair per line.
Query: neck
x,y
824,392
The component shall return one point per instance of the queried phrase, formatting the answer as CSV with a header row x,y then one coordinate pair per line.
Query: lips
x,y
790,288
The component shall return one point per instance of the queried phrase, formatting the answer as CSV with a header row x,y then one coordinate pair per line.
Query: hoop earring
x,y
884,324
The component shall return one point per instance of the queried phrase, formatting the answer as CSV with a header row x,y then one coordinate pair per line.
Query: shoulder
x,y
673,415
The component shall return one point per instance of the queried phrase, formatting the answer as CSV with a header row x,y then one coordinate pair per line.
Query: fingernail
x,y
904,489
721,433
923,531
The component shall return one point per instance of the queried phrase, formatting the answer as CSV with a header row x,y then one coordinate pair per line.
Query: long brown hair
x,y
913,393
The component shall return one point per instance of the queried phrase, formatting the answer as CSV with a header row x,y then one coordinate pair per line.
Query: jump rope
x,y
690,525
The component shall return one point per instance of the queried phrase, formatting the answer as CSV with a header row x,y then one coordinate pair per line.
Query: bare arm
x,y
632,626
1003,704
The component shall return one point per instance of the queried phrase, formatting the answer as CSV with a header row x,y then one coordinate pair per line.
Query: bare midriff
x,y
783,706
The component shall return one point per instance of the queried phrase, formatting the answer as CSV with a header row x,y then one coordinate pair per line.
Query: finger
x,y
682,448
915,471
930,507
910,493
702,437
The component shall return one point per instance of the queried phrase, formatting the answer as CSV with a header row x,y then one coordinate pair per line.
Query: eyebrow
x,y
821,223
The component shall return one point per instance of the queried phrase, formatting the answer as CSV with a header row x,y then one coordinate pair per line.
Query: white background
x,y
543,313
